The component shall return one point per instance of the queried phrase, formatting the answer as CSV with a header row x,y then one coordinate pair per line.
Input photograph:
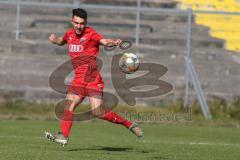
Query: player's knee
x,y
97,112
71,103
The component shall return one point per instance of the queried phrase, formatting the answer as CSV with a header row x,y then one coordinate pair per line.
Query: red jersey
x,y
83,51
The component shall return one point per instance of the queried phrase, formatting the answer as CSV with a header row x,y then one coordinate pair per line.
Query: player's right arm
x,y
57,40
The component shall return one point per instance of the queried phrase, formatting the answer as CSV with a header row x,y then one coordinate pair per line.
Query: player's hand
x,y
53,38
118,42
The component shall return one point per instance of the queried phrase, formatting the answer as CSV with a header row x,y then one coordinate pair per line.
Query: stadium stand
x,y
27,64
221,26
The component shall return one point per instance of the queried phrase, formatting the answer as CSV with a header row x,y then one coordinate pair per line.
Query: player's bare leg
x,y
72,101
100,112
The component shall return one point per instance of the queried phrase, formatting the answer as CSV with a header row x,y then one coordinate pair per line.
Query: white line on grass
x,y
189,143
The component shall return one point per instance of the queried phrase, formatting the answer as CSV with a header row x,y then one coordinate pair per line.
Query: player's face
x,y
78,24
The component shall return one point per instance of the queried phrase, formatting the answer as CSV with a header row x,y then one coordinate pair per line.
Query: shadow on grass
x,y
117,149
102,148
111,149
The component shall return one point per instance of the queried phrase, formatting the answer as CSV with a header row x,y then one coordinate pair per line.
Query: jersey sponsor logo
x,y
75,48
82,40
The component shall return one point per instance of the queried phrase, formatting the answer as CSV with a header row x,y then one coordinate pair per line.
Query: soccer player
x,y
83,44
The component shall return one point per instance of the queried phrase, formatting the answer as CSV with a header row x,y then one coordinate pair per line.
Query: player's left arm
x,y
110,42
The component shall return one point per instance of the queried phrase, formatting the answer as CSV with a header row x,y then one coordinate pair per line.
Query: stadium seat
x,y
221,26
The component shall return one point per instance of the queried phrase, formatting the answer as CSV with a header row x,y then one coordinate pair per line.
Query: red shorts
x,y
84,89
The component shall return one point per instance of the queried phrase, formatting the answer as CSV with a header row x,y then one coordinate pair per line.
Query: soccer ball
x,y
129,63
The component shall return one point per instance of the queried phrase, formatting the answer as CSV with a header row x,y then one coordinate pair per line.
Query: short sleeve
x,y
96,37
65,37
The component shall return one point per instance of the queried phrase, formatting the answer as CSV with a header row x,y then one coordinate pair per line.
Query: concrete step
x,y
97,13
36,33
58,21
180,39
210,53
36,68
109,16
121,24
166,55
145,3
6,45
34,47
44,47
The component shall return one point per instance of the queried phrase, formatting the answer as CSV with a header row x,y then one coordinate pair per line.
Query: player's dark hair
x,y
79,12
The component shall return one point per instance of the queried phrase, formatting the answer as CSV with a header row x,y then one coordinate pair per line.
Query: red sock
x,y
114,118
66,122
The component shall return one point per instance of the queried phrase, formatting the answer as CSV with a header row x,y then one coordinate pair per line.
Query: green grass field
x,y
24,140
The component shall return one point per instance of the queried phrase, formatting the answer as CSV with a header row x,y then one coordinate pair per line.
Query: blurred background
x,y
197,40
160,32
